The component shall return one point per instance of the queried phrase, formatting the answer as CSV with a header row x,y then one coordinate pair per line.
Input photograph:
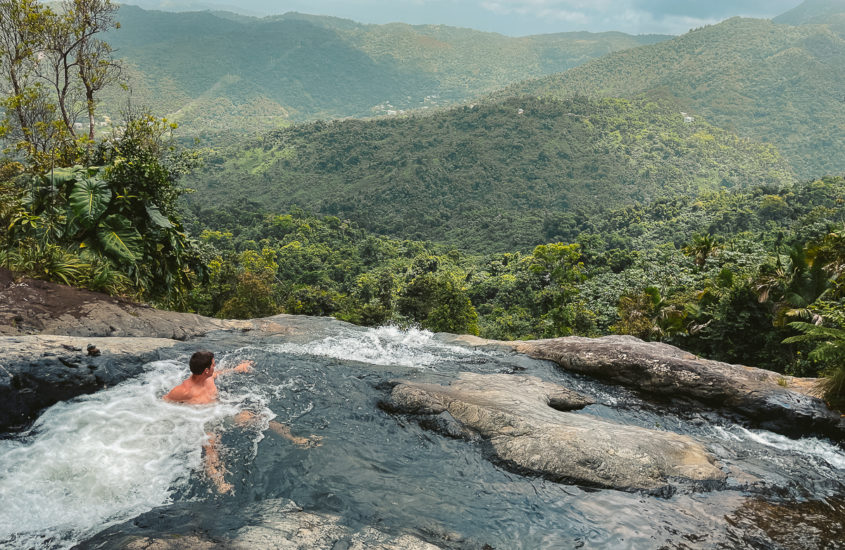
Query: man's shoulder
x,y
179,393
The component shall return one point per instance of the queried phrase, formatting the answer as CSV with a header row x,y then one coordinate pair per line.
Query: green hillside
x,y
812,11
218,72
773,83
490,177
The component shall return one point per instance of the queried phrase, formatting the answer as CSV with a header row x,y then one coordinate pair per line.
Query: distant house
x,y
687,119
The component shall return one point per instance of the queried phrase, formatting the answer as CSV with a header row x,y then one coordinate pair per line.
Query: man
x,y
200,389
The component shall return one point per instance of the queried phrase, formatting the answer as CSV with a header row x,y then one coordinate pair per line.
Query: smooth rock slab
x,y
39,371
281,525
515,415
771,400
778,402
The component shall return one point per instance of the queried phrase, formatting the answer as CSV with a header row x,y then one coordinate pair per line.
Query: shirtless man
x,y
200,389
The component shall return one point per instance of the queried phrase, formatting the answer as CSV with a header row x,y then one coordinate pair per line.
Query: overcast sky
x,y
512,17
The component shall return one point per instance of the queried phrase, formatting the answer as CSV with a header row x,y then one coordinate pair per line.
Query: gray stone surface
x,y
31,306
281,525
38,371
515,415
778,402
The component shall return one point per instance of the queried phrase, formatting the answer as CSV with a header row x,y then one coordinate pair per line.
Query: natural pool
x,y
98,470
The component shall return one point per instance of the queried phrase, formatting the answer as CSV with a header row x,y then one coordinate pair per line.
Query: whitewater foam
x,y
382,346
805,446
101,459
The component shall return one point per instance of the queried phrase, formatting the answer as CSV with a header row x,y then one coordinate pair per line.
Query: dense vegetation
x,y
221,75
490,177
75,208
725,274
774,83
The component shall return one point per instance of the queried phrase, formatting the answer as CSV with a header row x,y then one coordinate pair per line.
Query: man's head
x,y
200,361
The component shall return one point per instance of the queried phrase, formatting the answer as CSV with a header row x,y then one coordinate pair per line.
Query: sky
x,y
511,17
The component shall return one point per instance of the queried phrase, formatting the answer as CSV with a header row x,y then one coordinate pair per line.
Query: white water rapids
x,y
101,459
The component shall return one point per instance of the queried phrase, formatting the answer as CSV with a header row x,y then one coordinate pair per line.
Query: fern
x,y
830,351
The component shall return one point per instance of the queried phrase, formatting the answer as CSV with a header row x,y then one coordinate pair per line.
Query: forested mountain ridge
x,y
488,177
776,83
812,11
216,72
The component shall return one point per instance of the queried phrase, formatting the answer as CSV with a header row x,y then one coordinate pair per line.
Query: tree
x,y
701,248
93,58
28,122
649,316
437,301
54,66
559,270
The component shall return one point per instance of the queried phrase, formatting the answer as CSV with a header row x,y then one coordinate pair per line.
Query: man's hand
x,y
244,366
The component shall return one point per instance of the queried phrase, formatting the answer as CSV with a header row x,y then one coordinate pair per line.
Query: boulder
x,y
278,524
38,371
525,422
775,401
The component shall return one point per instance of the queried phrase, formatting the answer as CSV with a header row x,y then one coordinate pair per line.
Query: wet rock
x,y
773,401
39,371
515,415
789,525
281,525
777,402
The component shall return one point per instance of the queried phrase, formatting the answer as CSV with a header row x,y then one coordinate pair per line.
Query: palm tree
x,y
702,247
794,289
649,316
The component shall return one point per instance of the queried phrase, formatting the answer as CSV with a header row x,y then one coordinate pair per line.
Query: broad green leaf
x,y
89,198
60,176
119,238
158,218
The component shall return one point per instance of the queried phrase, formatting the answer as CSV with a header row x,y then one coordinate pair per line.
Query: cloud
x,y
643,16
538,9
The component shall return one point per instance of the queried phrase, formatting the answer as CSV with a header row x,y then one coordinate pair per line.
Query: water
x,y
91,465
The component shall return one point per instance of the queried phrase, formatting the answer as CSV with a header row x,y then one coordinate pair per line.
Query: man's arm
x,y
243,367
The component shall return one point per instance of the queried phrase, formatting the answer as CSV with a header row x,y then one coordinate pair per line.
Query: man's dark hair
x,y
200,361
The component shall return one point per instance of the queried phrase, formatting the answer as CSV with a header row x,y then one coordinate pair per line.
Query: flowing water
x,y
122,461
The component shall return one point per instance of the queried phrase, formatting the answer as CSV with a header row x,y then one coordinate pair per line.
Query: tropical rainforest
x,y
703,208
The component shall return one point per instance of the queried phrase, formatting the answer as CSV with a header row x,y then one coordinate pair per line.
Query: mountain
x,y
216,72
771,82
489,177
812,11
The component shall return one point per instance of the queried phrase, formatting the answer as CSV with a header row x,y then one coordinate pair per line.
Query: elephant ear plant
x,y
91,223
110,227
